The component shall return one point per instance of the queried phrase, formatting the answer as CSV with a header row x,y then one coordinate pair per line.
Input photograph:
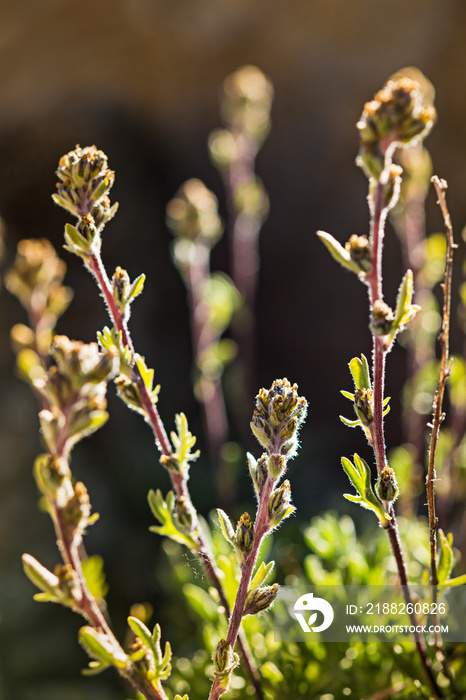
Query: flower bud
x,y
360,252
277,417
386,486
120,285
363,406
224,659
382,318
244,535
260,599
185,515
280,504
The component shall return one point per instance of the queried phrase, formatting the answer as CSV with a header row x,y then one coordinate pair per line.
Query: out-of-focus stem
x,y
245,229
210,389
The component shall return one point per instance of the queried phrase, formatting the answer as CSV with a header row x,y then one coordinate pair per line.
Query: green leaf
x,y
338,252
201,602
136,288
93,570
405,311
359,474
163,510
350,423
141,631
347,395
76,243
100,648
456,581
359,369
445,563
114,339
261,575
227,527
183,441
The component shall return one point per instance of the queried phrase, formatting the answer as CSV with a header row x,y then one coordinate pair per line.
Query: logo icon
x,y
308,604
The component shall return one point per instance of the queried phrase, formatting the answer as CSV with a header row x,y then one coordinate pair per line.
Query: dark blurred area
x,y
140,79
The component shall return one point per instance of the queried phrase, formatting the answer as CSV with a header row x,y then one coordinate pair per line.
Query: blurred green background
x,y
140,79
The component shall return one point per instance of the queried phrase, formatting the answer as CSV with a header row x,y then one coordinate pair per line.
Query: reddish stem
x,y
374,280
261,527
179,481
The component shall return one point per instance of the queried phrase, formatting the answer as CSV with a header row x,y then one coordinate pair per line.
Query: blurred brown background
x,y
140,79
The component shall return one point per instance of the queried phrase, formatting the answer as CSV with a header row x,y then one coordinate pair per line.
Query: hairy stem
x,y
438,415
247,568
379,214
179,481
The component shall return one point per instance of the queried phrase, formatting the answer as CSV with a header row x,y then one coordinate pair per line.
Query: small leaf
x,y
347,395
350,423
99,647
445,563
359,474
261,575
136,288
201,602
456,581
338,252
359,369
227,527
141,631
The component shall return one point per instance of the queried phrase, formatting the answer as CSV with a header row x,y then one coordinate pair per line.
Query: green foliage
x,y
164,511
359,474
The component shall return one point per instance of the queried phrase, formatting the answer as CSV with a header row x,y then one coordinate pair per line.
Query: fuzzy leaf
x,y
99,647
227,527
350,423
163,511
445,563
183,441
359,474
338,252
359,369
261,575
136,288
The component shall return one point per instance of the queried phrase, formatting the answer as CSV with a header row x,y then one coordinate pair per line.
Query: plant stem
x,y
374,279
210,388
245,229
260,529
179,481
438,415
69,541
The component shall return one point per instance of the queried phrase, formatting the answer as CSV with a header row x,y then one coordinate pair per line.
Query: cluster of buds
x,y
399,115
247,102
74,389
84,183
360,252
36,279
245,106
193,214
278,415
